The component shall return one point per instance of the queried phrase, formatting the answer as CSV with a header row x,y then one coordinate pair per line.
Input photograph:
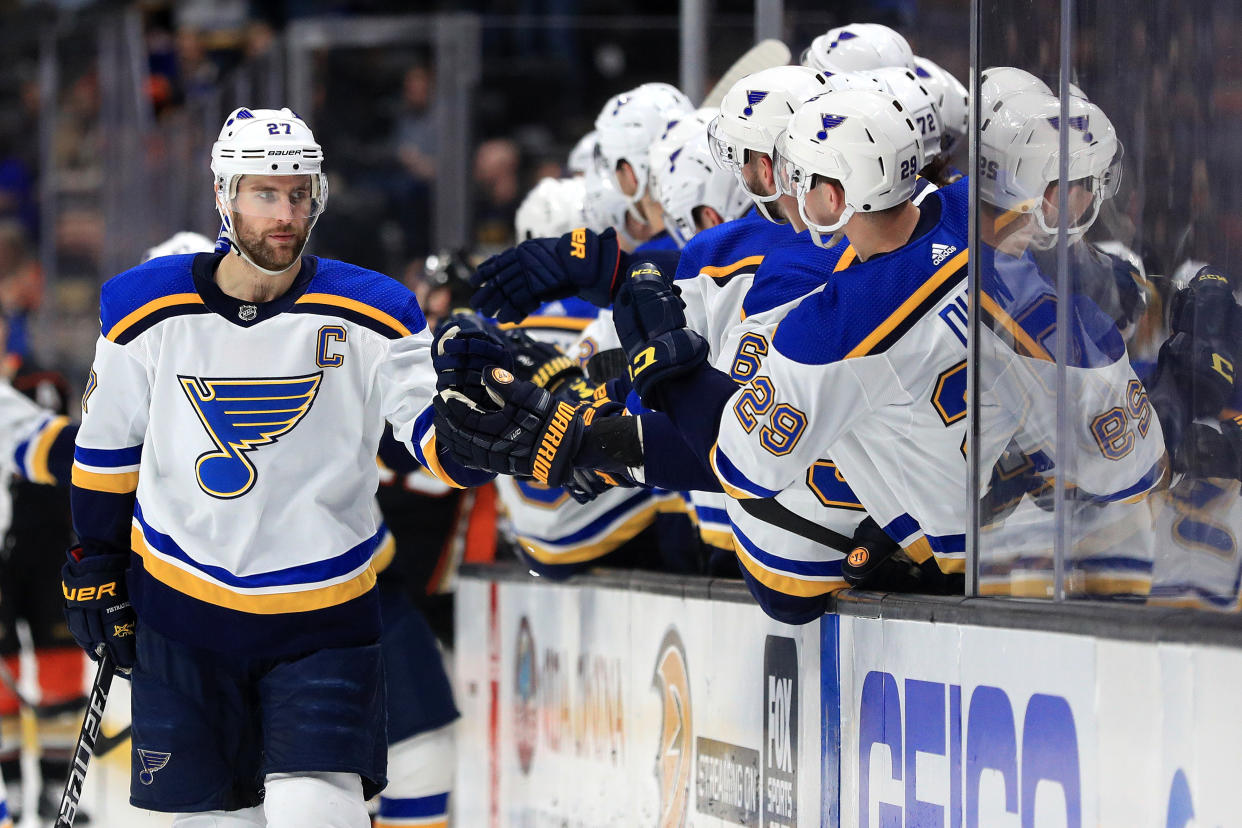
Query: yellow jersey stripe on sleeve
x,y
559,323
786,584
136,316
122,483
912,303
716,272
433,463
42,448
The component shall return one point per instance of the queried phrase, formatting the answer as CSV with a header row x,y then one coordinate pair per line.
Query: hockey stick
x,y
86,741
763,55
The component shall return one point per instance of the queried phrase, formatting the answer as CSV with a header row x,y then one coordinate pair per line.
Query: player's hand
x,y
512,284
97,605
1201,354
651,325
1209,452
466,345
542,363
524,431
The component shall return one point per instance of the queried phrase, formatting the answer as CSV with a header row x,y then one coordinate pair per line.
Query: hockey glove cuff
x,y
512,284
466,345
97,606
542,363
651,323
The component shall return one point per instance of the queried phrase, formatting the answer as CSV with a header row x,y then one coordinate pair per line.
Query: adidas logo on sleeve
x,y
940,252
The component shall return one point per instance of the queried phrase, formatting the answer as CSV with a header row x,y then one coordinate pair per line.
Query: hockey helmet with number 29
x,y
267,142
861,138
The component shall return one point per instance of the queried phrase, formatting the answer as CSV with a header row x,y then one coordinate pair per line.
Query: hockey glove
x,y
878,563
512,284
465,346
525,432
542,363
97,605
1207,452
652,328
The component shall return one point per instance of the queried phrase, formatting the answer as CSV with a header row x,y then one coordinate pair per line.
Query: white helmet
x,y
629,123
752,113
603,205
684,177
266,142
856,47
920,104
1019,156
951,96
1000,82
582,155
186,241
864,139
551,209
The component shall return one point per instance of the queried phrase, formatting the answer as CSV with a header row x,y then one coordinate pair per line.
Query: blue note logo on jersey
x,y
753,99
1080,123
152,762
829,122
242,415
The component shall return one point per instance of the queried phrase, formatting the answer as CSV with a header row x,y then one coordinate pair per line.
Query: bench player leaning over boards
x,y
228,439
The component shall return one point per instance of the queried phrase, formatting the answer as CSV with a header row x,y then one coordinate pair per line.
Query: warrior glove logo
x,y
152,762
675,752
242,415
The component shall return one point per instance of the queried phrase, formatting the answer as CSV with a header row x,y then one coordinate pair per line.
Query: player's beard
x,y
265,254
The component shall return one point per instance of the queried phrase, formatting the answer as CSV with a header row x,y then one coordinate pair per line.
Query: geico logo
x,y
89,593
985,759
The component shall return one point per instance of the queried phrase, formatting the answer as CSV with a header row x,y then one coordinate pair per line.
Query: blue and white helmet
x,y
951,97
1019,157
629,124
582,155
265,142
863,139
178,244
920,103
858,47
684,177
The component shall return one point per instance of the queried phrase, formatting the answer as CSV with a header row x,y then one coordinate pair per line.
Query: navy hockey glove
x,y
512,284
465,346
97,606
542,363
525,432
652,328
1201,352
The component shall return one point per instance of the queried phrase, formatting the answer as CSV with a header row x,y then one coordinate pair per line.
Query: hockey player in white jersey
x,y
229,436
1118,445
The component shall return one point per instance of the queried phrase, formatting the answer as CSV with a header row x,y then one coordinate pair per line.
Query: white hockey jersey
x,y
232,446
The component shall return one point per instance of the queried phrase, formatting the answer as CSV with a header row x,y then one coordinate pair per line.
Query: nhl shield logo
x,y
152,762
247,312
829,122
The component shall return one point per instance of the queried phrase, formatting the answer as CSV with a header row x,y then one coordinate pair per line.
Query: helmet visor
x,y
279,197
791,178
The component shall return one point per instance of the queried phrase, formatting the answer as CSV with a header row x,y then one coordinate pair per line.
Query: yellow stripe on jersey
x,y
149,308
42,448
269,604
786,584
560,323
847,259
355,306
714,272
1014,329
592,551
433,464
720,538
384,553
946,271
122,483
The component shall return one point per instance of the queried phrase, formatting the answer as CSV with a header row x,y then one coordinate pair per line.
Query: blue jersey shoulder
x,y
571,308
660,241
369,288
867,308
724,246
163,278
790,270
